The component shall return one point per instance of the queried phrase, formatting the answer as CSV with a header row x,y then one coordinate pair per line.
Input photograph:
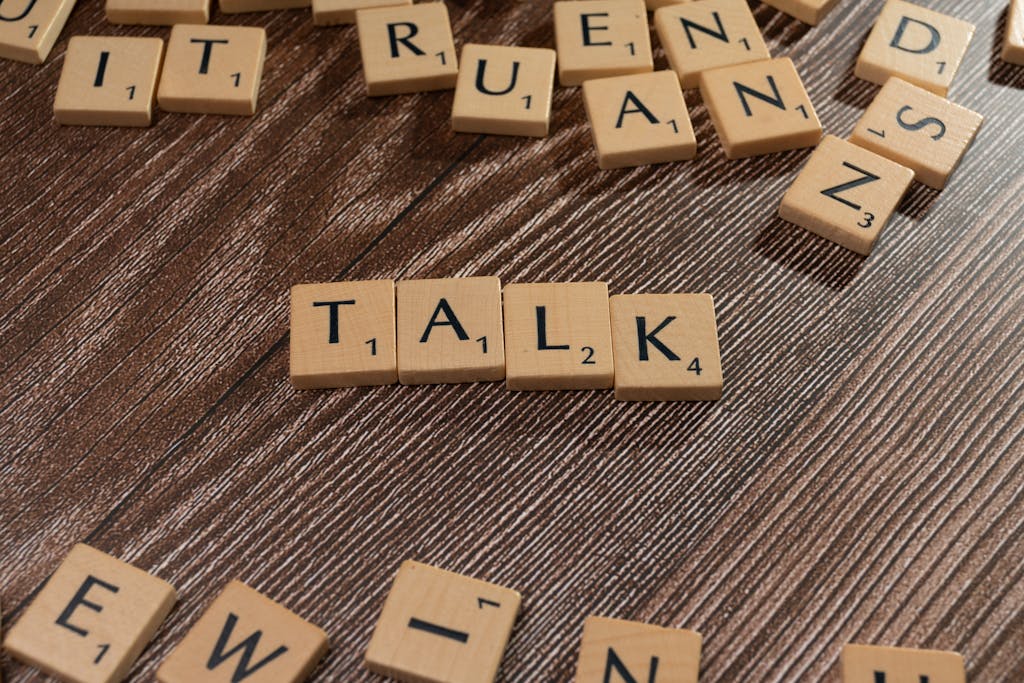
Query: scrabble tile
x,y
919,130
504,90
212,69
440,627
92,619
343,334
239,6
108,81
808,11
558,336
916,44
618,650
407,49
601,38
760,108
29,29
708,34
244,635
334,12
875,664
158,12
1013,41
657,4
449,330
846,194
666,347
639,119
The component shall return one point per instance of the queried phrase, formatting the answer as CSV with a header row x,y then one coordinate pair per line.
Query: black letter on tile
x,y
743,91
28,8
333,334
394,40
638,108
542,332
898,38
689,26
247,647
866,177
482,66
923,123
101,70
79,599
426,626
450,319
644,338
208,43
587,28
614,663
880,677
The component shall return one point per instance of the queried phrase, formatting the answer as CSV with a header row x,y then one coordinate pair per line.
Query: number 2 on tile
x,y
589,360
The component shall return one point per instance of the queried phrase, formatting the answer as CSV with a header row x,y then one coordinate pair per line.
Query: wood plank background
x,y
861,480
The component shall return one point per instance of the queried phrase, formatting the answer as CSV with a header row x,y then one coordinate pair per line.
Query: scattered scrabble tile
x,y
245,636
239,6
708,34
639,119
656,4
212,69
343,334
666,347
440,627
916,44
875,664
601,38
558,336
334,12
808,11
618,650
449,330
28,31
504,90
407,49
107,81
846,194
1013,41
158,12
760,108
919,130
92,619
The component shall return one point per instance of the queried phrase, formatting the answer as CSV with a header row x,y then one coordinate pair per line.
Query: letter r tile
x,y
618,650
877,664
407,49
92,619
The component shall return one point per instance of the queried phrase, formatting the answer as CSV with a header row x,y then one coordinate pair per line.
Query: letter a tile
x,y
407,49
1013,41
618,650
601,38
245,636
875,664
29,28
916,44
92,619
440,627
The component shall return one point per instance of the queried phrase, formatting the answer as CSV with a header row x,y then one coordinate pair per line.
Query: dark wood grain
x,y
862,480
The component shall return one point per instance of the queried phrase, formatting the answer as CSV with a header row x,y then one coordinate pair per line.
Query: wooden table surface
x,y
862,480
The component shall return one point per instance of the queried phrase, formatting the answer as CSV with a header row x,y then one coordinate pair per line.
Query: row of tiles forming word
x,y
542,336
95,615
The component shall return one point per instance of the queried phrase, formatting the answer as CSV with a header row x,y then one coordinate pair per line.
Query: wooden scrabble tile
x,y
92,619
916,44
343,334
614,650
666,347
639,119
846,194
158,12
708,34
245,636
760,108
1013,41
212,69
875,664
657,4
601,38
504,90
108,81
808,11
30,28
440,627
407,49
239,6
334,12
450,330
919,130
558,336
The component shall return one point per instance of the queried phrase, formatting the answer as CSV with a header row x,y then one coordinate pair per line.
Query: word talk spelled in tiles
x,y
29,29
504,90
212,69
558,336
108,81
407,49
919,130
639,119
760,108
601,38
92,619
916,44
440,627
808,11
1013,41
708,34
158,12
846,194
875,664
343,334
334,12
245,636
614,650
666,347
